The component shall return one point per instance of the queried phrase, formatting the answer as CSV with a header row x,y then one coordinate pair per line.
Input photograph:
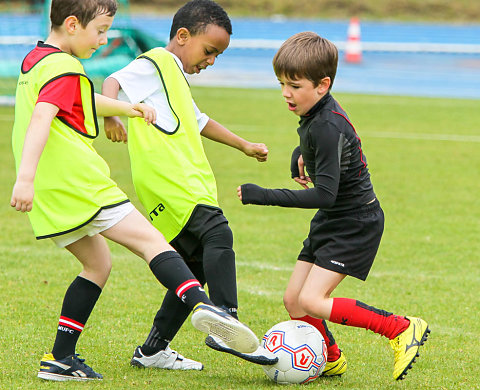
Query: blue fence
x,y
382,71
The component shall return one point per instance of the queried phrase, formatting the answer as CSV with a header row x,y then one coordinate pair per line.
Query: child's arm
x,y
311,198
35,140
216,132
113,125
106,106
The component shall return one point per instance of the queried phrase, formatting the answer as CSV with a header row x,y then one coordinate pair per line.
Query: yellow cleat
x,y
406,345
337,367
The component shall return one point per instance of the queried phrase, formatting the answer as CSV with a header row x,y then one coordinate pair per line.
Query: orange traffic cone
x,y
353,49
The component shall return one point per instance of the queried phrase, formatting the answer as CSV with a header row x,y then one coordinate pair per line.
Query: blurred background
x,y
403,47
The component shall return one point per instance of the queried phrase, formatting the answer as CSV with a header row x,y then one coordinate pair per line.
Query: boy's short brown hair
x,y
84,10
306,55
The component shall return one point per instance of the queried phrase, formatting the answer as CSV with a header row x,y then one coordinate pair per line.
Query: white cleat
x,y
216,322
168,359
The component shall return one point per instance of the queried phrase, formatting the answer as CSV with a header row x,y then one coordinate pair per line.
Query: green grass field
x,y
423,157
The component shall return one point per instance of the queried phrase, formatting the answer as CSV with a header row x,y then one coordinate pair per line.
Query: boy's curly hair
x,y
196,15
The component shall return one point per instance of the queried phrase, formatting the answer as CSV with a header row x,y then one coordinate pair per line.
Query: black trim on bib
x,y
35,64
44,45
94,112
166,94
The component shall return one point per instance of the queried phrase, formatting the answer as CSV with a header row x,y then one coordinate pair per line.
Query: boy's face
x,y
301,94
86,40
199,51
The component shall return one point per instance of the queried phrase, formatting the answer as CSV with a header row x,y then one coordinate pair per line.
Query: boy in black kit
x,y
345,233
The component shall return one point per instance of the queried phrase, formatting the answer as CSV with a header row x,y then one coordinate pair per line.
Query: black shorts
x,y
188,242
345,242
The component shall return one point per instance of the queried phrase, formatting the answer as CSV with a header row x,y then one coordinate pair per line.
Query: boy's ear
x,y
71,24
324,85
183,35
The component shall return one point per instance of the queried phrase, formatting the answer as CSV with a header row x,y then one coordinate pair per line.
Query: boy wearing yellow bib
x,y
65,186
171,173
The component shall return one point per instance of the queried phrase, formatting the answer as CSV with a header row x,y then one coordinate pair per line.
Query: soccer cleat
x,y
167,359
70,368
216,322
260,356
337,367
406,345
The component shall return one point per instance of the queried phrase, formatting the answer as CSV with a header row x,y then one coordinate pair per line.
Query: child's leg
x,y
406,334
219,267
170,318
296,312
315,300
166,324
138,235
214,257
81,296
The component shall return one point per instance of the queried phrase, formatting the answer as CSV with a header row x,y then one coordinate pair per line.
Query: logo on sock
x,y
65,329
185,286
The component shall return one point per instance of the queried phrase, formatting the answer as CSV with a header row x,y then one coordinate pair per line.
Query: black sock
x,y
219,267
233,311
171,316
154,342
78,303
170,270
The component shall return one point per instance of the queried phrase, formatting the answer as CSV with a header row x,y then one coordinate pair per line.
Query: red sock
x,y
350,312
333,351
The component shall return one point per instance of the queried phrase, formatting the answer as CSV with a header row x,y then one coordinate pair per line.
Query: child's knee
x,y
313,305
101,268
290,301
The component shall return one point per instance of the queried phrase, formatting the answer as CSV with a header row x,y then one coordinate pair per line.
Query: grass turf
x,y
423,157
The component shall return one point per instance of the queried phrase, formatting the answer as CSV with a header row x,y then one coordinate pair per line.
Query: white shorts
x,y
103,221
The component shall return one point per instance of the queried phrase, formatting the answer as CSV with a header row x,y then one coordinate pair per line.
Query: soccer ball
x,y
301,352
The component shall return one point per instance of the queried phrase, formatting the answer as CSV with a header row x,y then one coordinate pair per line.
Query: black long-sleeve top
x,y
333,157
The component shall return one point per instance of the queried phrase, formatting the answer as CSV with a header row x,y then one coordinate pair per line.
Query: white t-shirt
x,y
140,82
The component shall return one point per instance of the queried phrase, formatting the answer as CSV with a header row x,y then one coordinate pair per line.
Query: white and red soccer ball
x,y
301,352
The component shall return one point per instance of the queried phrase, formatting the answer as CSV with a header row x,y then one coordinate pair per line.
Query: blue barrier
x,y
394,68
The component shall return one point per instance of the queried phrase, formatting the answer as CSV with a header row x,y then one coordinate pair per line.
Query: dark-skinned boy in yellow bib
x,y
170,170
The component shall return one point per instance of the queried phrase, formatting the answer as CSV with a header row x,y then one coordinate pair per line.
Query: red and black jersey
x,y
334,159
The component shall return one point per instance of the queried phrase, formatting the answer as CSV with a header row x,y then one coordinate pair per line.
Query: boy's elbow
x,y
110,87
329,202
327,198
111,82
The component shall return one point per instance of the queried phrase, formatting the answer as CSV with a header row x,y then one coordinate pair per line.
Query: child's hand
x,y
22,196
115,129
302,179
239,192
259,151
144,111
